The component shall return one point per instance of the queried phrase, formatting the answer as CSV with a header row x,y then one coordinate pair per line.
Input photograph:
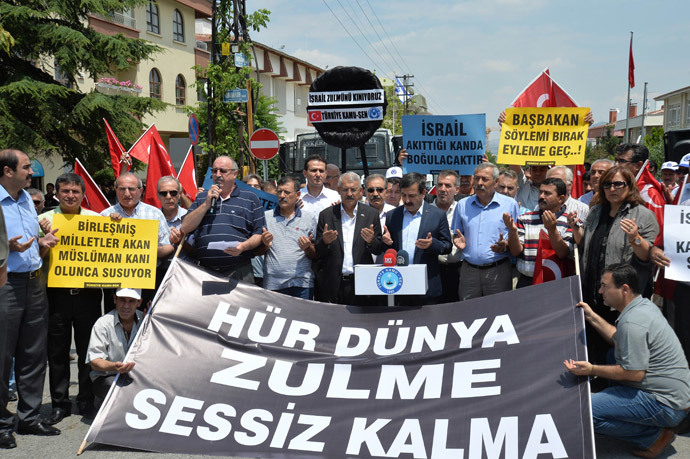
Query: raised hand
x,y
329,235
501,245
368,234
459,240
509,222
266,237
175,235
16,246
550,221
305,242
572,218
387,239
424,243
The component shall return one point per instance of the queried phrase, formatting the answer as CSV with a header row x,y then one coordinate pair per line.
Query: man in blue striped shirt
x,y
523,237
287,242
227,215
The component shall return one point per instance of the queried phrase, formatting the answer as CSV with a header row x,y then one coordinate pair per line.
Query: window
x,y
674,115
178,26
155,84
152,24
687,112
180,90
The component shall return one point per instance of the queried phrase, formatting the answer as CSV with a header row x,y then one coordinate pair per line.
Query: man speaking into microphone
x,y
420,230
228,219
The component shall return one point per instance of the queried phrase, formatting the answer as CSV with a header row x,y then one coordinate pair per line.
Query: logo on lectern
x,y
389,280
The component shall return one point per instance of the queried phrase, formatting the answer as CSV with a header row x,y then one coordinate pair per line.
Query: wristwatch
x,y
637,240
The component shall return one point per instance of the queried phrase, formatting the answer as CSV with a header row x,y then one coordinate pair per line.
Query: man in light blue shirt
x,y
287,243
478,230
23,304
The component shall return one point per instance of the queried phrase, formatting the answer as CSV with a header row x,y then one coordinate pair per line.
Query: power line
x,y
431,99
373,27
383,60
348,32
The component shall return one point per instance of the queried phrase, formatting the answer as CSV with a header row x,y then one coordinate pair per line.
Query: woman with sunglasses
x,y
619,229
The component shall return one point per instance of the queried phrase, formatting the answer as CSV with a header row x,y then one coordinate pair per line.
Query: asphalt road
x,y
74,430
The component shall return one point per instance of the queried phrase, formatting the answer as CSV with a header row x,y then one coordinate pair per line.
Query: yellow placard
x,y
225,49
97,252
543,136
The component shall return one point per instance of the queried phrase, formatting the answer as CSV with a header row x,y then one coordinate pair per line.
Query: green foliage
x,y
605,148
655,142
43,115
230,118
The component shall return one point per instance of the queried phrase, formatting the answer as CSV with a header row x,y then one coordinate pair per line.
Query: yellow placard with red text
x,y
544,136
96,252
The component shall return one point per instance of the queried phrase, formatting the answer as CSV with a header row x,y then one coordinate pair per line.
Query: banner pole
x,y
577,261
179,247
81,448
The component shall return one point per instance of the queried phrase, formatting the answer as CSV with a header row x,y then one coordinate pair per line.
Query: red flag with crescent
x,y
548,265
543,91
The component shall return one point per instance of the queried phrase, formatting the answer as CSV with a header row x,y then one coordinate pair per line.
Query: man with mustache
x,y
226,214
346,235
479,231
447,187
287,241
523,237
422,231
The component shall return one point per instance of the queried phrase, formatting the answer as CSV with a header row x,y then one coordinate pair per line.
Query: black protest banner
x,y
230,369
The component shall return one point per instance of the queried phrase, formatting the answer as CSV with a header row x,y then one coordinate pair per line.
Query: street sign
x,y
241,60
236,95
264,144
193,129
225,49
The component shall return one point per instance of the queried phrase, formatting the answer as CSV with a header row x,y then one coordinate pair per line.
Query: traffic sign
x,y
241,60
264,144
236,95
193,129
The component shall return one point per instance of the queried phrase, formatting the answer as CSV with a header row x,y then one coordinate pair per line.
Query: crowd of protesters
x,y
477,235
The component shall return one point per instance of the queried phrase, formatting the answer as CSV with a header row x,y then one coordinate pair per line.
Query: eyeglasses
x,y
377,189
623,161
617,185
163,194
221,170
131,189
38,202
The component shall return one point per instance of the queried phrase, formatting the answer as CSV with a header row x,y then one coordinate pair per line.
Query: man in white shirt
x,y
315,196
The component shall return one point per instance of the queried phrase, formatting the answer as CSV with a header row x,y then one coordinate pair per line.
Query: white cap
x,y
670,165
129,293
394,172
685,161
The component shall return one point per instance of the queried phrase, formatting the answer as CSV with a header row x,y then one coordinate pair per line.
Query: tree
x,y
231,118
655,142
41,114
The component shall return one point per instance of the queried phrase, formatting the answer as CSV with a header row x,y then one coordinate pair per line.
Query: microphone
x,y
213,199
390,257
403,258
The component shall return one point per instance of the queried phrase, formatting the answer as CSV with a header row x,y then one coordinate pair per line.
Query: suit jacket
x,y
434,221
328,266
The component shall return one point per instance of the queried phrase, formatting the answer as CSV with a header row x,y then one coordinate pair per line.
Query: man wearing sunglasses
x,y
229,215
169,194
631,156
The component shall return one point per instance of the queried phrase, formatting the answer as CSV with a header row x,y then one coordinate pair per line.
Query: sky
x,y
476,56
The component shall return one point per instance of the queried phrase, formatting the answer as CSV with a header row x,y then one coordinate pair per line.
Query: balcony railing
x,y
120,18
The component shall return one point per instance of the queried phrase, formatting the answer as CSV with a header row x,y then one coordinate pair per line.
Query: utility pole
x,y
644,112
407,83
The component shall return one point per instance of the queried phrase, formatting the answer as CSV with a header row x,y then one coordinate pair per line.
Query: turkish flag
x,y
549,266
187,175
94,199
160,165
578,188
652,193
315,116
116,150
141,148
631,67
543,91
